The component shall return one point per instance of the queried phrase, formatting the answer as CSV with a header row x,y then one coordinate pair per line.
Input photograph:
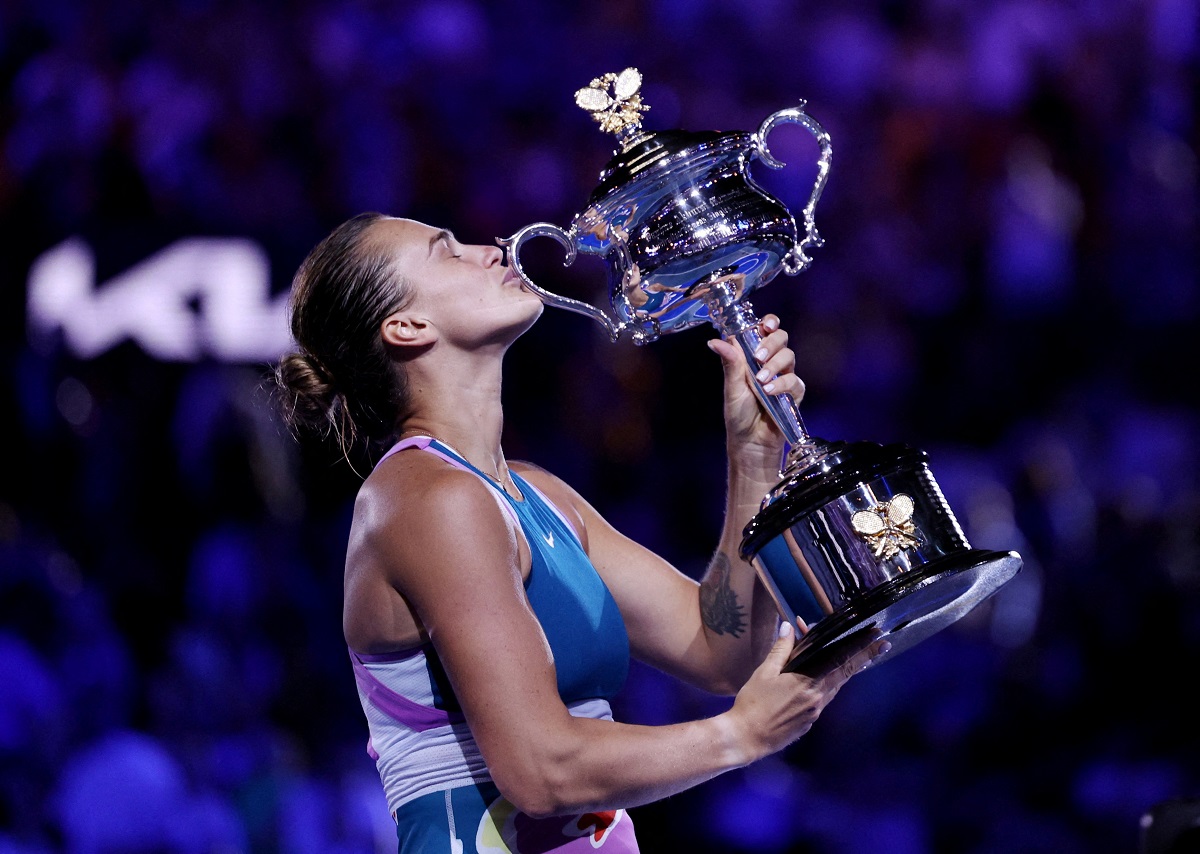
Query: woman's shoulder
x,y
419,490
433,534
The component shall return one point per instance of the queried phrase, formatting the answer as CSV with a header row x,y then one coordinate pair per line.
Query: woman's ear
x,y
408,330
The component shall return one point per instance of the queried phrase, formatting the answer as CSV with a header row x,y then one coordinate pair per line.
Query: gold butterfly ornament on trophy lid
x,y
615,102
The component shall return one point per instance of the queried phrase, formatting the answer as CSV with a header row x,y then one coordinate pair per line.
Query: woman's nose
x,y
492,255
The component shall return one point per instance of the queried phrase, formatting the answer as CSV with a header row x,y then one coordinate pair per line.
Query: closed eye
x,y
444,237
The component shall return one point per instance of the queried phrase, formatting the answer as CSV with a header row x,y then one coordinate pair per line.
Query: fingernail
x,y
884,647
785,629
760,353
762,376
769,387
771,323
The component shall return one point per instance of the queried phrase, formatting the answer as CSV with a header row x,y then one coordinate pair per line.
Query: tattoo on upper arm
x,y
719,607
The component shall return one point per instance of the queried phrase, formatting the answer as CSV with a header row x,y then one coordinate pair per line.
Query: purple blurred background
x,y
1008,281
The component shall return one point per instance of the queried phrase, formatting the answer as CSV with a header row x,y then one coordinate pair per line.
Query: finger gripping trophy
x,y
856,537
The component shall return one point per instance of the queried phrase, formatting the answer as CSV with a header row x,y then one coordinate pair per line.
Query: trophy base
x,y
908,609
857,539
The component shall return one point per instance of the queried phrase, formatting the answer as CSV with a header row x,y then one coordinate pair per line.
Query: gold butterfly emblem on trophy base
x,y
887,526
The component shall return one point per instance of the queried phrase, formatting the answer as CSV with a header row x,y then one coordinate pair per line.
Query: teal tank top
x,y
578,614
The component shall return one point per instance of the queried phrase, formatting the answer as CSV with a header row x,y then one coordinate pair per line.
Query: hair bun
x,y
309,399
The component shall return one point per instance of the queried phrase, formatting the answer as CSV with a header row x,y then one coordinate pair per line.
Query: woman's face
x,y
465,291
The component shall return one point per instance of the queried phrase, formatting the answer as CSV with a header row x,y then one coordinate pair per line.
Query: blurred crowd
x,y
1008,281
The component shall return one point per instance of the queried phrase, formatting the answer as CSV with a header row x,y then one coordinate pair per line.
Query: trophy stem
x,y
737,320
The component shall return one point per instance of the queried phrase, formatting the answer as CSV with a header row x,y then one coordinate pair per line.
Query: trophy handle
x,y
797,260
512,248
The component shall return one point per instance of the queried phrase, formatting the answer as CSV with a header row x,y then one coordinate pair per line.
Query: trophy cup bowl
x,y
856,536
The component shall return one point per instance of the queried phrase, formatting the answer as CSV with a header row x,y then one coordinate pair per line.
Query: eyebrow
x,y
441,235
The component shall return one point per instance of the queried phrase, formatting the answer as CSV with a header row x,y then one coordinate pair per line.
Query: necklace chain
x,y
493,478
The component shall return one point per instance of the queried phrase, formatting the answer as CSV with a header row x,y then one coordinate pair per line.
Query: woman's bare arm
x,y
450,552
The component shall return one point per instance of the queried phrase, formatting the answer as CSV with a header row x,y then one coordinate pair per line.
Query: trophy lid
x,y
615,102
651,152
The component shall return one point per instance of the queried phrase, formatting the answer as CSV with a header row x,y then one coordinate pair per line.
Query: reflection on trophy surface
x,y
856,536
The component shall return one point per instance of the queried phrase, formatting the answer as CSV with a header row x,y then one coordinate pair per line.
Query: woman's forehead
x,y
403,237
403,230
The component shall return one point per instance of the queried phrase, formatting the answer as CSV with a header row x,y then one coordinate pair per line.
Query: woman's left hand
x,y
750,431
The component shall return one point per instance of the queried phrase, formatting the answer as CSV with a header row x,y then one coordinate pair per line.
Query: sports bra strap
x,y
426,443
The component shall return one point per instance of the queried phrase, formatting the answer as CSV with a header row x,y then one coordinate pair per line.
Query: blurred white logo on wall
x,y
199,298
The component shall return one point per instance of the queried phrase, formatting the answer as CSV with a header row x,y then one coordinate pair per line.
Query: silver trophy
x,y
856,537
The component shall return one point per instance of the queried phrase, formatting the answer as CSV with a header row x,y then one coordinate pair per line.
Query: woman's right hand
x,y
774,708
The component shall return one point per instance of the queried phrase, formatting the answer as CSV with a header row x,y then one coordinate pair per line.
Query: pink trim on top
x,y
425,443
389,657
422,442
398,707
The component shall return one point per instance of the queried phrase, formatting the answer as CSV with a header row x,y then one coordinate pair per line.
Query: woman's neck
x,y
464,413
